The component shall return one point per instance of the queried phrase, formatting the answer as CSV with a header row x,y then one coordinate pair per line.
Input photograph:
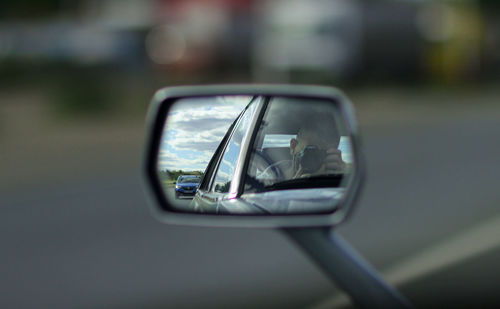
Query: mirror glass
x,y
255,155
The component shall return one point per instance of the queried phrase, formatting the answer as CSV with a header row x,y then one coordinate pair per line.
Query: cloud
x,y
172,161
195,128
206,140
203,124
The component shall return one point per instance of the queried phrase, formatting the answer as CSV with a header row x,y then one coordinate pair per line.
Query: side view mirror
x,y
266,156
281,156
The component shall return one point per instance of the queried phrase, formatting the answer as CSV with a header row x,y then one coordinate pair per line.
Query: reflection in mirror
x,y
280,155
301,159
193,131
301,140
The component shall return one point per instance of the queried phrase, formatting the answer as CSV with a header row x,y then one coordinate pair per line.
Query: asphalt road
x,y
182,202
91,242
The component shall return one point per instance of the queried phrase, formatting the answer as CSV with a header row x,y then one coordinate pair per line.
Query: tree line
x,y
172,175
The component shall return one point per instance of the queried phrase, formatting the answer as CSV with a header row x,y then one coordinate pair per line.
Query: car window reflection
x,y
222,181
299,139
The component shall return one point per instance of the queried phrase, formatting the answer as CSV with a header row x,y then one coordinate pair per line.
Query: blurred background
x,y
76,78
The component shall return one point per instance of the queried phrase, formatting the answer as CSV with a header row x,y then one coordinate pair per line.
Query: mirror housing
x,y
158,113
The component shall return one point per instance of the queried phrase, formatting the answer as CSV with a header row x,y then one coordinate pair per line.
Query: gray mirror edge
x,y
154,124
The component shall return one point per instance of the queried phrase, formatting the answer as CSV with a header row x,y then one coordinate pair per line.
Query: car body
x,y
186,185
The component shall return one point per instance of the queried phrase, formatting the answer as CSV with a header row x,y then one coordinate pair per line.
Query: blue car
x,y
186,185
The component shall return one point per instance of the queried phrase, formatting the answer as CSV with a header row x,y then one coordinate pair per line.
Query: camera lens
x,y
311,158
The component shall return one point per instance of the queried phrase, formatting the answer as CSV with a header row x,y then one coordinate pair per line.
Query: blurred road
x,y
79,233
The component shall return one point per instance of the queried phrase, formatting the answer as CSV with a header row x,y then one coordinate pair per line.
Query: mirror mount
x,y
347,268
312,231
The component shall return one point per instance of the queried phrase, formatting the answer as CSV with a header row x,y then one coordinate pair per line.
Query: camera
x,y
310,158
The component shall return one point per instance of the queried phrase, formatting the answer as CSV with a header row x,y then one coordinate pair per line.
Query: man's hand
x,y
333,162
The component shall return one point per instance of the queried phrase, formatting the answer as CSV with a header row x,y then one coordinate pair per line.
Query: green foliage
x,y
172,175
223,188
31,8
78,96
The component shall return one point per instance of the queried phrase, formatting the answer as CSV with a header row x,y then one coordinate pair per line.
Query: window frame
x,y
242,155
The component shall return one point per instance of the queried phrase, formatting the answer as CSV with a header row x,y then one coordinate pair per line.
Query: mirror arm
x,y
347,268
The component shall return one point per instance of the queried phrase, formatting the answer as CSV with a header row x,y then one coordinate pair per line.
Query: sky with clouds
x,y
194,129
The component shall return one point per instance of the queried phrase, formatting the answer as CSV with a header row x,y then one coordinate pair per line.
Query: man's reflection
x,y
313,152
